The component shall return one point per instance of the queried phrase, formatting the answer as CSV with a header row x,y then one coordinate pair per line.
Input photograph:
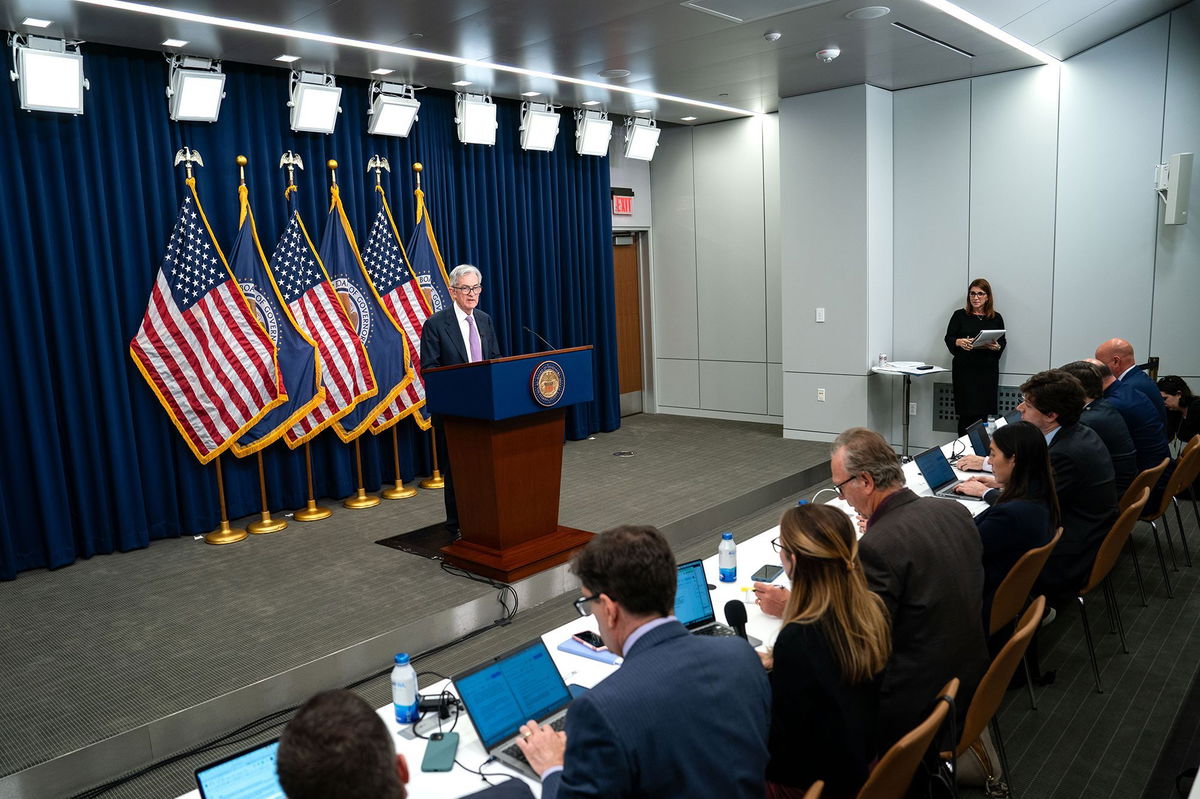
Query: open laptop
x,y
978,437
693,605
938,474
1012,417
249,774
506,691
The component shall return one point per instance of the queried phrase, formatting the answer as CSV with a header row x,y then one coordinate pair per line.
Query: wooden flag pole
x,y
435,480
361,499
314,512
400,491
224,534
265,524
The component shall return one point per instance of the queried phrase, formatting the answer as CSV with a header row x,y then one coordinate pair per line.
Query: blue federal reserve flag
x,y
426,259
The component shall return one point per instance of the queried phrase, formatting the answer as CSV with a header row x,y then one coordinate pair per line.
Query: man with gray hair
x,y
459,334
924,558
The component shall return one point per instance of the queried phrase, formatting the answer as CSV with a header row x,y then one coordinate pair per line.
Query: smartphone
x,y
439,753
589,639
767,573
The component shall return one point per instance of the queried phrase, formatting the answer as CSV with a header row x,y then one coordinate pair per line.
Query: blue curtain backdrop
x,y
90,461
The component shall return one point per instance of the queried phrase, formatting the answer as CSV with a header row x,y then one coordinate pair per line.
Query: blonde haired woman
x,y
824,666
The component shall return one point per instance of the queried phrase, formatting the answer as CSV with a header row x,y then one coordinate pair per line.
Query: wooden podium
x,y
503,421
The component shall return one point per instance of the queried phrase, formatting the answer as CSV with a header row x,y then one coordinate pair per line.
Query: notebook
x,y
249,774
506,691
938,474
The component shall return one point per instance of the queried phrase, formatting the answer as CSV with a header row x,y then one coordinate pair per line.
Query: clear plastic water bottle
x,y
727,558
990,425
404,690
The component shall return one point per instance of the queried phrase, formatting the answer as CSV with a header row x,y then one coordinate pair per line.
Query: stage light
x,y
539,126
196,89
475,115
49,74
393,109
641,138
314,102
593,129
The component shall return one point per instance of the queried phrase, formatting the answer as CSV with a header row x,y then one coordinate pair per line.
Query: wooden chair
x,y
1106,558
1146,479
814,790
1013,592
1187,469
894,773
990,693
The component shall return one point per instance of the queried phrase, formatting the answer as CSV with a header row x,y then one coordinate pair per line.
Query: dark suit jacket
x,y
1110,425
1087,500
1135,378
1146,427
924,558
685,715
1009,530
442,341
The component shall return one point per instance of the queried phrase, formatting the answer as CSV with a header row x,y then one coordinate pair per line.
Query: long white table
x,y
752,553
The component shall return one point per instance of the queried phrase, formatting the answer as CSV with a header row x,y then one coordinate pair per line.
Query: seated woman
x,y
824,666
1024,507
1183,415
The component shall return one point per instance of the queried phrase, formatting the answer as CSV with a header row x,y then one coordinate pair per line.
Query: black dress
x,y
821,728
976,373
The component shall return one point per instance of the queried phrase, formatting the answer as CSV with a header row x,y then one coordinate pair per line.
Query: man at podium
x,y
459,334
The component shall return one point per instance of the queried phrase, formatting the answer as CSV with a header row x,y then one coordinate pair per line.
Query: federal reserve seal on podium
x,y
548,383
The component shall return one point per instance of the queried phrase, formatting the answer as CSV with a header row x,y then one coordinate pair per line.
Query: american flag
x,y
387,267
308,294
199,346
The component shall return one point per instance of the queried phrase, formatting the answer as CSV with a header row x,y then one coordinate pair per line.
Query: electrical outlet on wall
x,y
820,395
820,314
912,409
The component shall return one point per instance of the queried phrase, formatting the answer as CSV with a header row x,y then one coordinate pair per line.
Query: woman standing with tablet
x,y
975,370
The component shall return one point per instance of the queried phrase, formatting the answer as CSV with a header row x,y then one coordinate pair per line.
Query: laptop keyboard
x,y
715,629
514,751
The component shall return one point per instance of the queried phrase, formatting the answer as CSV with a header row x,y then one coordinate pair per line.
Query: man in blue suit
x,y
685,715
459,334
1146,427
1117,355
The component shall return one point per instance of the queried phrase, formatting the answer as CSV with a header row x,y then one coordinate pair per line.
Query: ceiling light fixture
x,y
287,59
827,55
641,138
49,74
393,109
590,103
314,102
613,73
530,94
295,34
991,30
539,126
475,116
34,22
593,129
196,88
868,12
461,83
687,119
382,71
174,43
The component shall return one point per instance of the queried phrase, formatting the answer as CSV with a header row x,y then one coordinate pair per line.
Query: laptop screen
x,y
506,692
693,606
978,436
246,775
934,468
1012,417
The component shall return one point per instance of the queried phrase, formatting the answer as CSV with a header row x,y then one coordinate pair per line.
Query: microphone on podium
x,y
735,616
539,336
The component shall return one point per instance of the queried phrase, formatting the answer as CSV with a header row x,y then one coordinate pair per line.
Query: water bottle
x,y
990,425
404,690
727,558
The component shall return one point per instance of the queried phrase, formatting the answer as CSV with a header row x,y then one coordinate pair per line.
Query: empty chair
x,y
1013,592
1187,468
894,772
1147,479
1106,558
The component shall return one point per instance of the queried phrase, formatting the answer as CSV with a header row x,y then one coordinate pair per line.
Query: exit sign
x,y
622,206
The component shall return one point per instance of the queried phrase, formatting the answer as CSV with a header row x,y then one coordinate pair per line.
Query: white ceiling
x,y
668,46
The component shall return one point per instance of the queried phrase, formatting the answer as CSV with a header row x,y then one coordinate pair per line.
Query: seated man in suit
x,y
459,334
1083,478
684,716
337,746
1146,428
1117,355
924,558
1100,415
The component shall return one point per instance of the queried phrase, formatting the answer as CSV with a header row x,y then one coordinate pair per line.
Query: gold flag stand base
x,y
401,491
313,513
361,500
266,525
224,535
434,481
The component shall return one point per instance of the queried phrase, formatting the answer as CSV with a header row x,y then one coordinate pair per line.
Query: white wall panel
x,y
1014,142
678,383
775,389
733,386
1110,134
1177,266
774,297
730,247
674,238
845,402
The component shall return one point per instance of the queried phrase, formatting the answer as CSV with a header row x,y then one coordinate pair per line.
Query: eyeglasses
x,y
778,547
977,293
581,604
469,290
838,486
